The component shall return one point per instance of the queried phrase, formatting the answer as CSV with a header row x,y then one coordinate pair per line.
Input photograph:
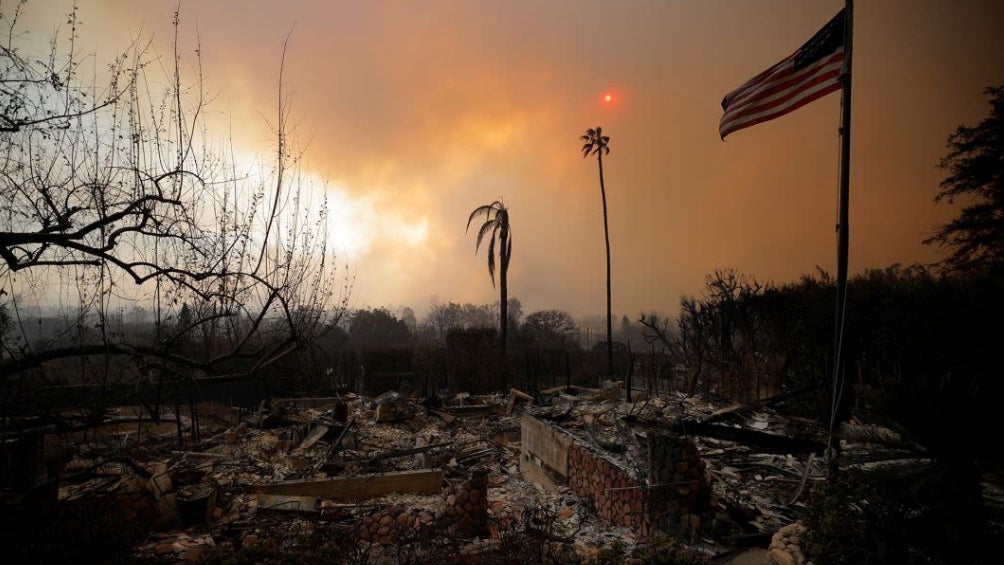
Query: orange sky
x,y
417,112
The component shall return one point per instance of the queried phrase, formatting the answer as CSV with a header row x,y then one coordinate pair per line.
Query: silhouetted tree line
x,y
743,339
546,348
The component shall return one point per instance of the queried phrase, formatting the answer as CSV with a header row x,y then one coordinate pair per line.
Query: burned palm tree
x,y
496,227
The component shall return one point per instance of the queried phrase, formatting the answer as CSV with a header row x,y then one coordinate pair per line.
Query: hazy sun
x,y
351,223
608,98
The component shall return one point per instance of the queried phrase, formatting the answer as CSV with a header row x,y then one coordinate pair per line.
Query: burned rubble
x,y
575,470
659,466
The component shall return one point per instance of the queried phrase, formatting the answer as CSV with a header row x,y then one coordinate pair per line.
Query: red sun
x,y
608,98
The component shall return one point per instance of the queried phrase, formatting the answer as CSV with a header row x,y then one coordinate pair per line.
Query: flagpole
x,y
843,226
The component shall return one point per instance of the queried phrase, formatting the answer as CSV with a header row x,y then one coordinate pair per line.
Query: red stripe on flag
x,y
783,79
760,104
752,86
781,89
767,117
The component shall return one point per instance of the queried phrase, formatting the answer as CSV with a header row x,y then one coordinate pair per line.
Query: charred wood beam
x,y
361,487
771,401
767,443
337,444
398,453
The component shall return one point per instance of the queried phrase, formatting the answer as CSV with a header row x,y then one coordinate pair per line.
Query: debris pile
x,y
570,471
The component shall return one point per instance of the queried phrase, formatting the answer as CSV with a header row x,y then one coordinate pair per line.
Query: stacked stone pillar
x,y
679,491
469,505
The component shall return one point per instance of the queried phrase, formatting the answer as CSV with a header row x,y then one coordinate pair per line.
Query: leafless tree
x,y
117,189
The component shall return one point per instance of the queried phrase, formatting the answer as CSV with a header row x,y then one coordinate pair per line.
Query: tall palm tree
x,y
496,227
595,143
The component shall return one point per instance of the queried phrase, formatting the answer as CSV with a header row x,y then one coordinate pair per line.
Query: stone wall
x,y
465,514
613,490
387,525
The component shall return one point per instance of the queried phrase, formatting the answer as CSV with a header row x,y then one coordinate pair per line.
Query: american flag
x,y
809,73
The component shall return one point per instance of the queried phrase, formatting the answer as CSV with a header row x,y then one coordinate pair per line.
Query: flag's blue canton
x,y
825,42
